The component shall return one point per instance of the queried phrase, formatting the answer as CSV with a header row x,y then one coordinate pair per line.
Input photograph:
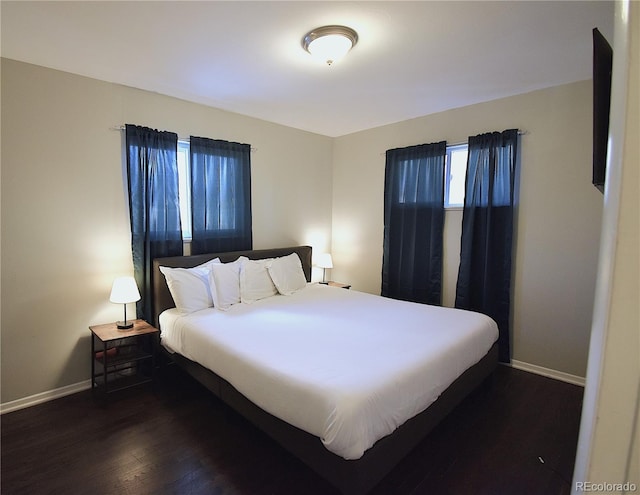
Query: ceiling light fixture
x,y
330,43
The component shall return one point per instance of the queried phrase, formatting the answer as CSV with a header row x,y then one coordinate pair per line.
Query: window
x,y
170,203
220,173
227,202
455,174
184,189
454,178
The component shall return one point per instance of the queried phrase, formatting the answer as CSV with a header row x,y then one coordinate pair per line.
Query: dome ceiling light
x,y
330,43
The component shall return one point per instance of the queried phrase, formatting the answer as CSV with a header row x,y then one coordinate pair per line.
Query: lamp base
x,y
124,325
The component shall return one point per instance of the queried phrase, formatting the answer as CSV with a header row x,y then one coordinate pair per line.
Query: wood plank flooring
x,y
516,436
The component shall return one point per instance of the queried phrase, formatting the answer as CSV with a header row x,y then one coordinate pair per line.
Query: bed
x,y
317,346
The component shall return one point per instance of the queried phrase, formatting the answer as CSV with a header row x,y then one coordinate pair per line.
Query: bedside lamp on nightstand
x,y
324,261
124,291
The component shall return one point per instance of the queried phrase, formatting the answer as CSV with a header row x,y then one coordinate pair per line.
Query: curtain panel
x,y
154,207
484,277
220,196
414,223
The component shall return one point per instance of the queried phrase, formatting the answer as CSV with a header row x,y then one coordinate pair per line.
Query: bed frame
x,y
352,477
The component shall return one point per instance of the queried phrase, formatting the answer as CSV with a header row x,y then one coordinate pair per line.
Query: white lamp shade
x,y
324,260
329,43
124,291
330,48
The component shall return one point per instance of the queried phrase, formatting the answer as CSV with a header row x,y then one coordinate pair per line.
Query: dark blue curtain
x,y
153,205
413,223
220,196
484,278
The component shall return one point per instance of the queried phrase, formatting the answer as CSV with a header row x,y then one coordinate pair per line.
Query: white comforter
x,y
345,366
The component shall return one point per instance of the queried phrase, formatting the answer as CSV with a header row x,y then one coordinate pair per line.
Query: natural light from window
x,y
455,174
184,189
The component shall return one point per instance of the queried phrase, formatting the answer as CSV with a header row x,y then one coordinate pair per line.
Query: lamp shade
x,y
124,290
329,43
324,260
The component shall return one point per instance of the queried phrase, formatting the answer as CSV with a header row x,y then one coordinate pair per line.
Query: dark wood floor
x,y
517,436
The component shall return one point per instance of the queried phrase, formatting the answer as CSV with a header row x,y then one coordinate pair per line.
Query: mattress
x,y
345,366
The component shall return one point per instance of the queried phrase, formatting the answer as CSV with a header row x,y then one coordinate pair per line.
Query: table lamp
x,y
124,291
324,261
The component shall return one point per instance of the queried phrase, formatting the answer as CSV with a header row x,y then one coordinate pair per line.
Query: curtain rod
x,y
122,128
520,133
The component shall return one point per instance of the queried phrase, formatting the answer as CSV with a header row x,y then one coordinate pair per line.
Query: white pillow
x,y
189,287
224,280
287,274
255,281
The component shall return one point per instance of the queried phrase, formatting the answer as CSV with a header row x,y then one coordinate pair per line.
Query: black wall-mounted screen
x,y
602,65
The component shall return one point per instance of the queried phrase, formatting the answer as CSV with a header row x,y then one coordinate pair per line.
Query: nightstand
x,y
338,284
122,358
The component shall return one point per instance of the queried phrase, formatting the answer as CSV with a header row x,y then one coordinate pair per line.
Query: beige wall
x,y
65,232
65,228
558,220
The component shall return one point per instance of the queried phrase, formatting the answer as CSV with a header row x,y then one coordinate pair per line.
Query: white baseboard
x,y
556,375
32,400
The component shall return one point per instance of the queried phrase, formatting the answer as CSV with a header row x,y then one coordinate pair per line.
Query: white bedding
x,y
345,366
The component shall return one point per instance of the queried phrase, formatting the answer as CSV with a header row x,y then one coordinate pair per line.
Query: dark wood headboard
x,y
162,297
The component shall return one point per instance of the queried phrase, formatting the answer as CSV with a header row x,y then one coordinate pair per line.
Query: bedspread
x,y
345,366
